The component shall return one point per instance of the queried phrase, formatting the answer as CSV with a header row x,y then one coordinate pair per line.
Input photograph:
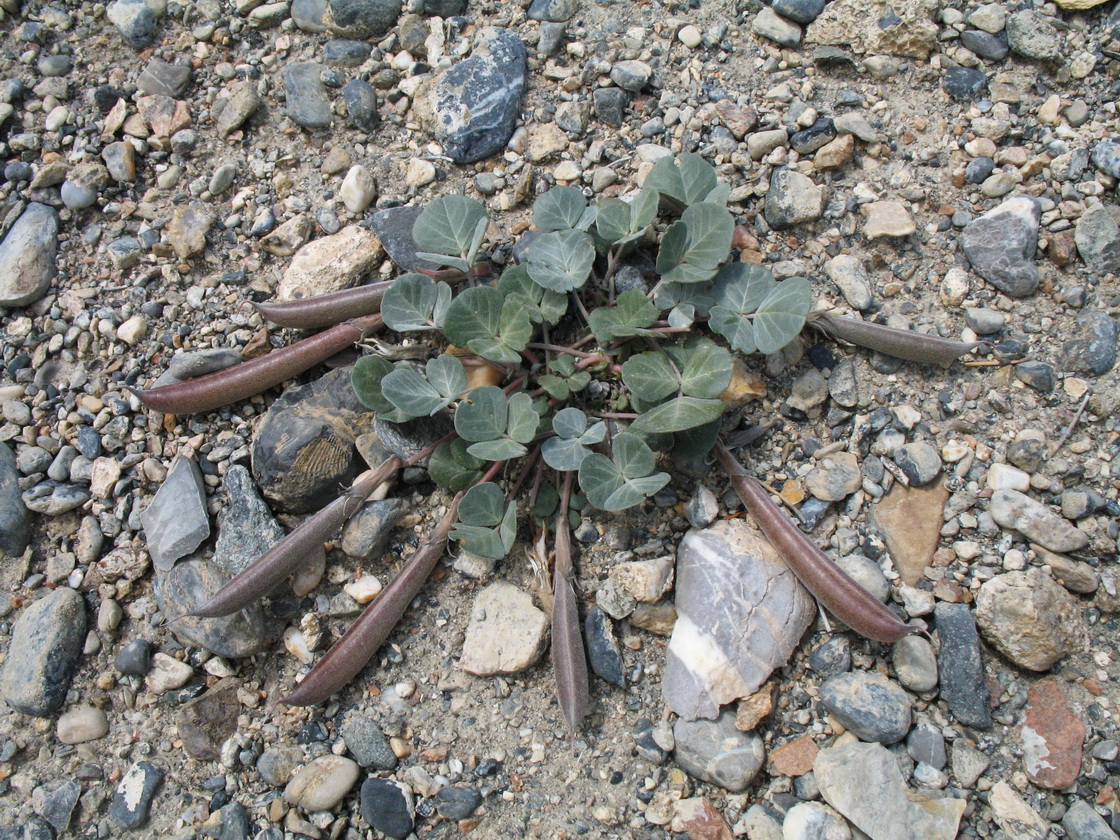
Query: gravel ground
x,y
163,163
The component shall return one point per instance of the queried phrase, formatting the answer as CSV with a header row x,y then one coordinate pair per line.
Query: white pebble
x,y
358,189
167,673
364,589
132,330
1007,477
690,36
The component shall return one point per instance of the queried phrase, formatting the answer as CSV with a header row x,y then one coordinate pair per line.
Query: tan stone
x,y
887,218
910,519
794,758
331,263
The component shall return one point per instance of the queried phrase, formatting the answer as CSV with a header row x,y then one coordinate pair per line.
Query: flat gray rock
x,y
868,704
740,614
715,751
306,99
1035,521
864,783
176,522
960,668
1001,245
27,256
43,654
246,528
1083,823
15,519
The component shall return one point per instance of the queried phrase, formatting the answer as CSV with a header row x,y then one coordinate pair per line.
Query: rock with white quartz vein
x,y
740,614
864,783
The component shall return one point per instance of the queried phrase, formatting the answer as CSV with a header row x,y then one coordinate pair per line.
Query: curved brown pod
x,y
830,585
248,378
904,344
569,662
361,641
325,310
272,568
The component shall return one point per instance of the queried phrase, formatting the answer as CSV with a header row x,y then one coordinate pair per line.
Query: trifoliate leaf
x,y
483,414
631,314
782,315
561,208
678,414
411,302
695,245
561,261
450,226
453,468
650,376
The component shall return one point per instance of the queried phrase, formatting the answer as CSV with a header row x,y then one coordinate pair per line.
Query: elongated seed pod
x,y
359,643
569,662
830,585
273,567
904,344
248,378
325,310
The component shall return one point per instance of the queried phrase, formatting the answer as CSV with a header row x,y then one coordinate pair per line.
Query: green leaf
x,y
475,313
579,380
650,376
410,303
555,386
523,419
502,449
561,261
620,222
631,314
411,392
625,481
739,289
450,226
561,208
696,244
540,303
678,414
366,379
483,414
483,505
782,315
686,180
514,331
547,501
699,296
447,376
707,370
563,454
692,445
452,467
569,423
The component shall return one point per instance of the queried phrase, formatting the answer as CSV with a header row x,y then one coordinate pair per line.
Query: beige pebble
x,y
82,724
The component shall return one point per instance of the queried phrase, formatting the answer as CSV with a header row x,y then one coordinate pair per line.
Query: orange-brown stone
x,y
1052,737
794,758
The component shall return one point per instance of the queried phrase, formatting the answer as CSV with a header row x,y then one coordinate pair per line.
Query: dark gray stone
x,y
208,721
362,19
979,169
984,44
551,38
164,79
1097,237
458,802
644,742
304,452
960,670
1001,245
553,11
305,97
802,11
15,518
367,532
235,822
984,321
57,804
919,462
407,439
1081,822
610,105
246,527
132,800
393,227
445,8
792,199
631,75
388,806
869,704
1106,156
715,751
135,658
340,52
1093,347
43,654
27,256
603,651
475,102
1038,375
926,743
833,657
176,521
808,140
366,742
964,82
188,586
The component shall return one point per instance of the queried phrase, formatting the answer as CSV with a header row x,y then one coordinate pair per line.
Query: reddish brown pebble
x,y
1052,737
701,820
795,758
1062,248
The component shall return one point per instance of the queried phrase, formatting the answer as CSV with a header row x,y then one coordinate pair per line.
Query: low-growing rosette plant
x,y
560,392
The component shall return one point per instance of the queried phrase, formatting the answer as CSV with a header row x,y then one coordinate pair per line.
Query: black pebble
x,y
602,647
457,803
959,667
386,807
135,658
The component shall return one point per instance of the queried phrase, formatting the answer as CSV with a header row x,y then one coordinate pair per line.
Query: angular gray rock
x,y
1032,35
740,614
1035,521
366,742
1092,349
1030,619
792,199
15,519
306,99
868,704
863,782
1001,245
246,527
960,669
43,654
1083,823
362,19
176,521
1097,237
715,751
472,107
27,256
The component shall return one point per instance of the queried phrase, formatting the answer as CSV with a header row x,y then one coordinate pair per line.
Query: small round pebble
x,y
135,658
80,725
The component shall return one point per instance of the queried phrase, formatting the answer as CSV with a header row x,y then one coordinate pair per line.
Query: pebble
x,y
1052,737
43,653
457,802
926,745
833,657
915,664
242,103
1032,35
868,704
555,11
1005,477
187,229
985,45
801,11
341,52
188,585
475,102
77,726
631,75
920,462
793,199
960,669
967,763
963,82
769,24
1038,375
54,802
851,277
133,797
1081,822
984,321
331,263
740,613
135,658
167,673
366,742
835,477
358,189
989,17
27,256
506,633
813,821
891,219
388,806
703,507
1030,619
1014,509
15,519
610,105
361,105
361,19
176,521
135,21
979,170
716,751
1012,814
306,100
603,652
1092,348
1000,245
322,784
